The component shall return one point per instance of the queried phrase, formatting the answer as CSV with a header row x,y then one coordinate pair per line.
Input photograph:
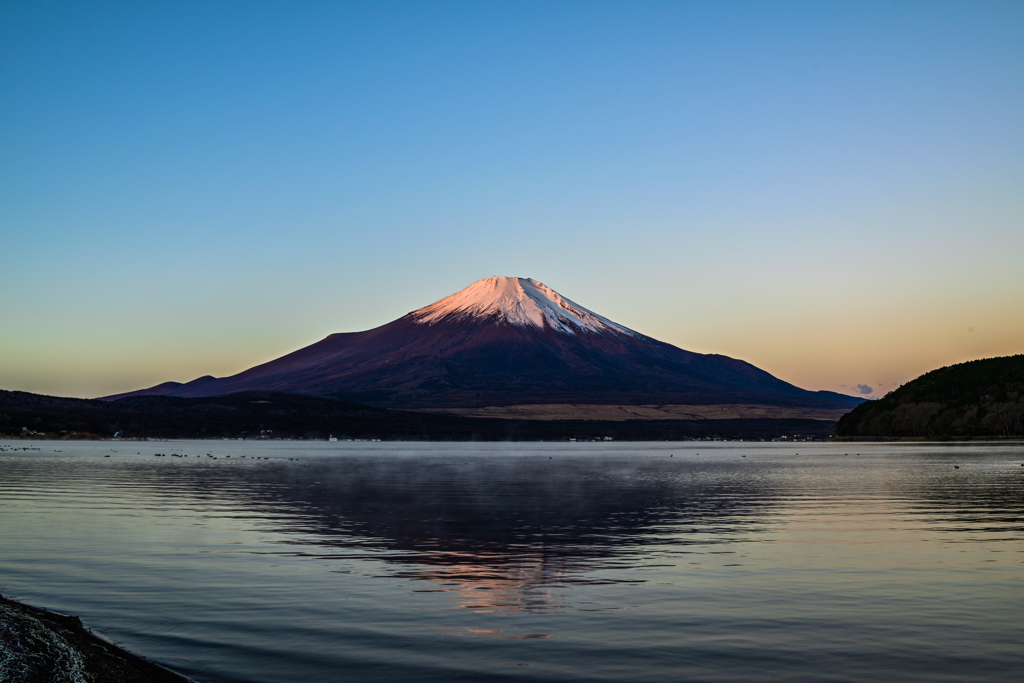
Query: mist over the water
x,y
654,562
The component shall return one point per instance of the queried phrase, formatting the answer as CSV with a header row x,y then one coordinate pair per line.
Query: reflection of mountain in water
x,y
504,533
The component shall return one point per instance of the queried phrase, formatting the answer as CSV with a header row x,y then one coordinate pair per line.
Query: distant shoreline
x,y
60,641
271,415
922,439
833,439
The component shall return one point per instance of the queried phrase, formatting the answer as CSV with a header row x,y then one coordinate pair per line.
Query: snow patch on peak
x,y
522,302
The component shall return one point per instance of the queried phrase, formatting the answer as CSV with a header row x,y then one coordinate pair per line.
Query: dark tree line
x,y
978,398
295,416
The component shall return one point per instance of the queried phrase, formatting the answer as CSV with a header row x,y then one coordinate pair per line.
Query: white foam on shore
x,y
28,648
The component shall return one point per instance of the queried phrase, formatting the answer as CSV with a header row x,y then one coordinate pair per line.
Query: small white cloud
x,y
864,389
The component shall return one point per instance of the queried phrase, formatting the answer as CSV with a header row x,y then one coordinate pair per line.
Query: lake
x,y
281,561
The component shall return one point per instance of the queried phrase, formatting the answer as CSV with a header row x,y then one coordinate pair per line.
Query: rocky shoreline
x,y
37,646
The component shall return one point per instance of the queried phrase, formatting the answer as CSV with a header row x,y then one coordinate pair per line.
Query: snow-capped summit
x,y
522,302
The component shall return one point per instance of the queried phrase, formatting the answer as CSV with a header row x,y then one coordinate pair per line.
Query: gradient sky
x,y
833,192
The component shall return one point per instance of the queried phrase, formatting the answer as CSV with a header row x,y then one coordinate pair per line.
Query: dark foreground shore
x,y
38,646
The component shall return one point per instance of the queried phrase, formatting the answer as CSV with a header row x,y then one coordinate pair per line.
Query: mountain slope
x,y
505,341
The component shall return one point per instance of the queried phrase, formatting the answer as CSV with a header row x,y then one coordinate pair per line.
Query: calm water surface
x,y
535,562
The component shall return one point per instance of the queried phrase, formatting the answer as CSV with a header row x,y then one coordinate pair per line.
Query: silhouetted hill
x,y
979,398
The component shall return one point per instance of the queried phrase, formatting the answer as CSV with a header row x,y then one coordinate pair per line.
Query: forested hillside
x,y
978,398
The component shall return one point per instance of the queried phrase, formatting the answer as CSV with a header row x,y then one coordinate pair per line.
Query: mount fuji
x,y
507,341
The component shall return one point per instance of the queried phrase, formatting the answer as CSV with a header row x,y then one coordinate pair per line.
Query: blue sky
x,y
832,191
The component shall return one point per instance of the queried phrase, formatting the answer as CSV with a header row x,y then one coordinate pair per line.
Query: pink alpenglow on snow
x,y
518,301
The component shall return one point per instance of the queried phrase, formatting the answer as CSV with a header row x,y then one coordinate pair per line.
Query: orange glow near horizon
x,y
830,195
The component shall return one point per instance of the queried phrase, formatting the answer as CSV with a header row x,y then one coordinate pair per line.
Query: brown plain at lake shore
x,y
617,413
